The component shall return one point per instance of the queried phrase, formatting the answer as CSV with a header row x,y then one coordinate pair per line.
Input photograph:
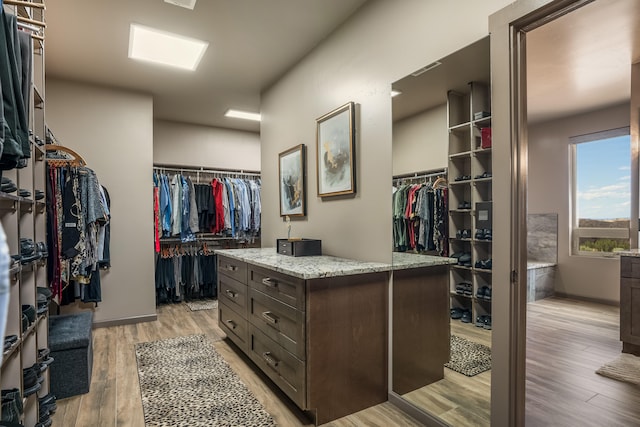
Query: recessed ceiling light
x,y
161,47
188,4
395,92
237,114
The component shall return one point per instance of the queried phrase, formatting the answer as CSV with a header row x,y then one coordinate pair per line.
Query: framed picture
x,y
292,177
335,143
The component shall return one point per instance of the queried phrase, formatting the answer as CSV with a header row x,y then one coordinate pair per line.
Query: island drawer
x,y
288,289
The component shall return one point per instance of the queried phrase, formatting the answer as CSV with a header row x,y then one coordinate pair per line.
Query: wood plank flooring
x,y
114,399
567,341
457,399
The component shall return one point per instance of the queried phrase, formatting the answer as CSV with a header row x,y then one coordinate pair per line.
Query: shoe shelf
x,y
470,184
24,217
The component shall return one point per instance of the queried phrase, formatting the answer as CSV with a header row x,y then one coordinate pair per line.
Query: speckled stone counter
x,y
307,267
403,261
532,265
631,252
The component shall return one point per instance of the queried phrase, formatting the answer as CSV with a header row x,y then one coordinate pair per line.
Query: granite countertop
x,y
531,265
306,267
630,252
403,261
315,267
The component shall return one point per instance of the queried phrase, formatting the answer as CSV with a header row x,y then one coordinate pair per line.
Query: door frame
x,y
508,28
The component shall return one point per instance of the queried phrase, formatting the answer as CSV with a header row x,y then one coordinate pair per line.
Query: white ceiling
x,y
577,63
582,61
251,44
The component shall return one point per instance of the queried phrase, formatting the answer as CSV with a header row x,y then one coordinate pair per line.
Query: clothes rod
x,y
191,169
24,4
422,174
28,27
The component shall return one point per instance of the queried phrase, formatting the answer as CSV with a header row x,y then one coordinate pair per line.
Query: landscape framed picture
x,y
335,144
292,178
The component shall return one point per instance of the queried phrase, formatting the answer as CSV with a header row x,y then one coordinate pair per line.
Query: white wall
x,y
113,131
420,142
383,42
549,180
193,145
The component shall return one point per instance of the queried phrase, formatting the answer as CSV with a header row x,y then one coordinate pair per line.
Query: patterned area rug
x,y
468,357
207,304
625,367
185,382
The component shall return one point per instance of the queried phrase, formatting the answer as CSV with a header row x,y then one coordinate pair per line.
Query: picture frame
x,y
292,181
336,152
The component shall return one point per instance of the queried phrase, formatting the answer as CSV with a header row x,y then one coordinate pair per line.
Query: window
x,y
601,194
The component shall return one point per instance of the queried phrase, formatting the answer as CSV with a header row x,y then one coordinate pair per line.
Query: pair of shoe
x,y
462,178
7,186
464,314
484,321
12,408
39,195
43,297
32,379
484,234
465,260
465,233
464,288
9,341
484,293
484,175
484,264
44,358
464,205
46,406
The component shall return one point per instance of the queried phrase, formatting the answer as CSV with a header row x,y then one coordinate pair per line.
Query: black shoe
x,y
30,312
466,316
24,193
456,313
487,322
39,195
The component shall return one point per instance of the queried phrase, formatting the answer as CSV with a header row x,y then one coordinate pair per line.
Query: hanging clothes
x,y
227,207
77,219
420,219
184,273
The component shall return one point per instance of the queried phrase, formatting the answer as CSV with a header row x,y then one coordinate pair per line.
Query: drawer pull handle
x,y
232,324
269,317
230,293
268,281
271,361
231,267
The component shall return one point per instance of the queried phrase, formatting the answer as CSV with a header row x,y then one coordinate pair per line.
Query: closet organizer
x,y
78,229
196,210
22,213
420,213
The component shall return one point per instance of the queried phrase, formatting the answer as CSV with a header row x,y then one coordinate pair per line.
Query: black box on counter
x,y
299,247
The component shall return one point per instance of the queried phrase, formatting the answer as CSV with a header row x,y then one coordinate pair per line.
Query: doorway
x,y
540,376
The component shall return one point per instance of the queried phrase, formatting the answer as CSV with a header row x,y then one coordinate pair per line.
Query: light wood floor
x,y
567,341
114,399
457,399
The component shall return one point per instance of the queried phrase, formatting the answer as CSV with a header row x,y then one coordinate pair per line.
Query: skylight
x,y
161,47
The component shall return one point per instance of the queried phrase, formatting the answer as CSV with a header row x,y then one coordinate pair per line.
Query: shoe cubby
x,y
470,175
23,216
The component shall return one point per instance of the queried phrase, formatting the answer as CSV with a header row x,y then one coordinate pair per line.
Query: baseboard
x,y
126,321
587,299
415,412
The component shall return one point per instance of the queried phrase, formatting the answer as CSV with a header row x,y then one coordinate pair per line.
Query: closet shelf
x,y
38,151
466,181
482,180
460,155
481,151
462,267
26,205
483,122
460,211
462,127
10,353
482,270
38,99
455,294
